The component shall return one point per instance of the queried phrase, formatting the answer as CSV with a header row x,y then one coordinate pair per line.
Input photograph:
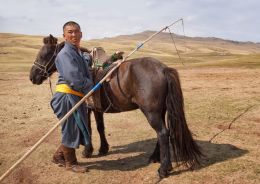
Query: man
x,y
73,83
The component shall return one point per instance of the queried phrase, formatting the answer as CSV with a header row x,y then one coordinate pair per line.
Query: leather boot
x,y
58,157
71,162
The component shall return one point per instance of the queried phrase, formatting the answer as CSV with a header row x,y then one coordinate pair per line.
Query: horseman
x,y
74,82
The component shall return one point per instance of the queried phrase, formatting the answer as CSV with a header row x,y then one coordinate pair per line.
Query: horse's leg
x,y
157,123
155,157
88,150
104,147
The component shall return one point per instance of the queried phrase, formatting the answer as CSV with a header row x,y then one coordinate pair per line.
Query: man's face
x,y
72,34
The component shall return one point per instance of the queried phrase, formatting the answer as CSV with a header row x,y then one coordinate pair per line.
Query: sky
x,y
228,19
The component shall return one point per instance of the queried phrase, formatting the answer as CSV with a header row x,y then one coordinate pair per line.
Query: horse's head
x,y
44,65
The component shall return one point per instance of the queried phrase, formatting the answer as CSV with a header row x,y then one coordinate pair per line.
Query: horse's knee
x,y
163,135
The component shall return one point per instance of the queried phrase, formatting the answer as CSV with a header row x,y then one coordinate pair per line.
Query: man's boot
x,y
58,157
71,160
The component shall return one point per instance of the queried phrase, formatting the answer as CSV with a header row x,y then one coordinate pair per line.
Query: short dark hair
x,y
71,23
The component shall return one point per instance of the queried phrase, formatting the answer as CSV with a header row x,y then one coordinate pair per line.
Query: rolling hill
x,y
17,52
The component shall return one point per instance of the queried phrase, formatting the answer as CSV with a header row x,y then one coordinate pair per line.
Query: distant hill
x,y
197,44
17,52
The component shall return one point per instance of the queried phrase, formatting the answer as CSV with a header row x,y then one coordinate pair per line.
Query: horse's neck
x,y
83,49
60,46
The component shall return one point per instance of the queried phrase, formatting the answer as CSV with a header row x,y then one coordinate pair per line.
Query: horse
x,y
141,83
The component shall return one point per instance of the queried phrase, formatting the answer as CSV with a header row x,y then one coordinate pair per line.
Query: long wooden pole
x,y
97,86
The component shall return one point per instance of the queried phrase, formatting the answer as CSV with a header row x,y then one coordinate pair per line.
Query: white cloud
x,y
233,19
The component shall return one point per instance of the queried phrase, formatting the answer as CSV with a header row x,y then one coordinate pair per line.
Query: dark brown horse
x,y
149,85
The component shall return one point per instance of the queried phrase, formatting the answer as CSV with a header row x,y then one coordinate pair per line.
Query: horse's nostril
x,y
31,78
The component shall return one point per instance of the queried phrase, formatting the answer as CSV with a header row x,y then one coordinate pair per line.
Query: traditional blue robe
x,y
73,71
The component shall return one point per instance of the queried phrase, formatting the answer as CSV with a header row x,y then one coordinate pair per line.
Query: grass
x,y
19,51
219,82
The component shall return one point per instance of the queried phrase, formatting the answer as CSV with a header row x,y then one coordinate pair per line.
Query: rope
x,y
230,124
175,46
97,86
50,84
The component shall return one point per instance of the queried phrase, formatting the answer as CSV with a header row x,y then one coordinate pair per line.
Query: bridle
x,y
45,70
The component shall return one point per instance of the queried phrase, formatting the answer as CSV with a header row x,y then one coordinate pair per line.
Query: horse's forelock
x,y
50,40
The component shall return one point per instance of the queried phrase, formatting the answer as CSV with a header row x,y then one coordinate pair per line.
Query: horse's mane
x,y
83,49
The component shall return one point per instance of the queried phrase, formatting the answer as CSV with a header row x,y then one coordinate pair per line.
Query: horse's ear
x,y
53,40
50,40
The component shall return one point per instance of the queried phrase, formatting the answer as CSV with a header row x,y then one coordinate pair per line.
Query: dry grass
x,y
219,89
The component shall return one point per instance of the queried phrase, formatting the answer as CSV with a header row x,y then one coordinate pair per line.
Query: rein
x,y
45,69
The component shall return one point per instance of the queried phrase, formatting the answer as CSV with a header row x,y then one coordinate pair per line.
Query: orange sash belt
x,y
64,88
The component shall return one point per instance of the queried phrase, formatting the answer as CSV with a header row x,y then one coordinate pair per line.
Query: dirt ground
x,y
222,104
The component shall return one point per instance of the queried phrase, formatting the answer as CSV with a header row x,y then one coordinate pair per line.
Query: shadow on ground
x,y
141,151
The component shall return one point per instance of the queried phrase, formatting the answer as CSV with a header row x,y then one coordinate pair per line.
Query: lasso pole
x,y
97,86
148,39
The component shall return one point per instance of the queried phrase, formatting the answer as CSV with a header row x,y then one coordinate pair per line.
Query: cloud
x,y
233,19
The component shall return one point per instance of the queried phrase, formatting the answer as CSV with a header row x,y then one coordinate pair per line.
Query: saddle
x,y
101,59
99,56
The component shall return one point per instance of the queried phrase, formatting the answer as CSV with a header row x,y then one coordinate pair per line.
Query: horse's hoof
x,y
170,168
86,154
103,151
102,154
162,174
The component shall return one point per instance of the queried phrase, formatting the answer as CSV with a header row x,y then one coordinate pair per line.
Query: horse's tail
x,y
184,147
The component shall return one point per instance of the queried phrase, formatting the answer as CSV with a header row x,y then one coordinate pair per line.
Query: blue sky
x,y
229,19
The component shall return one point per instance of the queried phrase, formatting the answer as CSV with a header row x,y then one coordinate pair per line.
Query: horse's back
x,y
145,70
144,81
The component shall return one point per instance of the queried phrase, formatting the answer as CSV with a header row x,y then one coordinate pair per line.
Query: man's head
x,y
72,33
